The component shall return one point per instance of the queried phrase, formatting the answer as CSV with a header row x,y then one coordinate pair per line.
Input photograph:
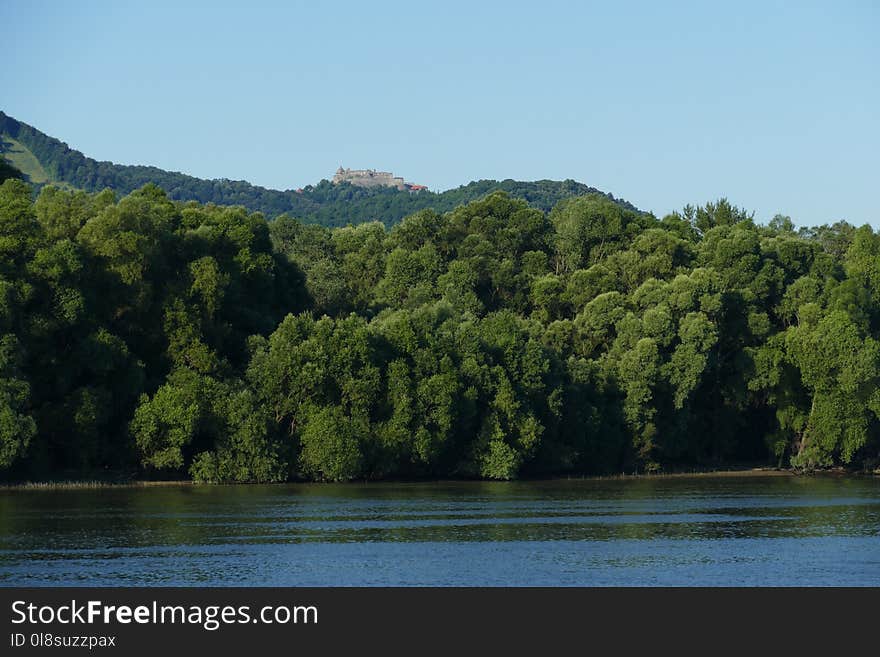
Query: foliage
x,y
496,340
326,204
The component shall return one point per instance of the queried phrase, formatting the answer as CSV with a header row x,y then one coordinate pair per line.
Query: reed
x,y
97,483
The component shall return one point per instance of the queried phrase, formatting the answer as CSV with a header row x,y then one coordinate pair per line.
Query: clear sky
x,y
775,105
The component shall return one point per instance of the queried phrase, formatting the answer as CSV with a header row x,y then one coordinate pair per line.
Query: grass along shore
x,y
733,472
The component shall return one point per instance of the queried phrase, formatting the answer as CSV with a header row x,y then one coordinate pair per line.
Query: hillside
x,y
44,159
18,156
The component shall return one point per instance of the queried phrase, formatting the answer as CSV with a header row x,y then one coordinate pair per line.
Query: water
x,y
741,531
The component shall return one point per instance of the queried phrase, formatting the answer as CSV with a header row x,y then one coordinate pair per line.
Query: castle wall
x,y
368,178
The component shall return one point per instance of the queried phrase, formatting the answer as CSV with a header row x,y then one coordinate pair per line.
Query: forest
x,y
322,203
170,339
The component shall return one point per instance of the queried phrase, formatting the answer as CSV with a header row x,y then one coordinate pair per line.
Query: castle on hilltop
x,y
373,178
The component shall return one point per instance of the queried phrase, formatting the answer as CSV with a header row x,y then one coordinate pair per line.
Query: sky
x,y
773,105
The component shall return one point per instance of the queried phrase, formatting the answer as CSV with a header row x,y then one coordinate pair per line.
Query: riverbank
x,y
693,474
74,485
681,474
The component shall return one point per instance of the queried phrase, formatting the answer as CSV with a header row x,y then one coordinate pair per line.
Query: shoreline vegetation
x,y
173,340
730,473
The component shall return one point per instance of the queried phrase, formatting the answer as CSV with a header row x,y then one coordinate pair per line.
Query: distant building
x,y
373,178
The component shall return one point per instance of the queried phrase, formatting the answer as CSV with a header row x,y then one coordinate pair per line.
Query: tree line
x,y
324,203
176,339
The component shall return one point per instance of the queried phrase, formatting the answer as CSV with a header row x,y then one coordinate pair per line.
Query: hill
x,y
44,159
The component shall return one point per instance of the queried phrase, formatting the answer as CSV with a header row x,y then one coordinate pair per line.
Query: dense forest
x,y
8,171
174,339
324,203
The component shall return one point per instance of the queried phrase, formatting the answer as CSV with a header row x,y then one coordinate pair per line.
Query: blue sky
x,y
775,105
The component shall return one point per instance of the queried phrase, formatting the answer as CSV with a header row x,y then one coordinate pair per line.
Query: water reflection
x,y
727,531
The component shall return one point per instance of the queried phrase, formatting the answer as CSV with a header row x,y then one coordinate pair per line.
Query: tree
x,y
590,228
17,427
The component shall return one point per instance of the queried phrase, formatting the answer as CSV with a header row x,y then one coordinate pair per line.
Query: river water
x,y
725,531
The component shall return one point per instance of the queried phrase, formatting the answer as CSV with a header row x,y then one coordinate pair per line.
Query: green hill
x,y
18,156
44,159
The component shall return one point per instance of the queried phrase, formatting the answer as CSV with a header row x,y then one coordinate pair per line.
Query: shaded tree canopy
x,y
497,340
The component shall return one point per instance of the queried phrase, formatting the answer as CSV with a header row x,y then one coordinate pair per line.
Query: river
x,y
724,531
